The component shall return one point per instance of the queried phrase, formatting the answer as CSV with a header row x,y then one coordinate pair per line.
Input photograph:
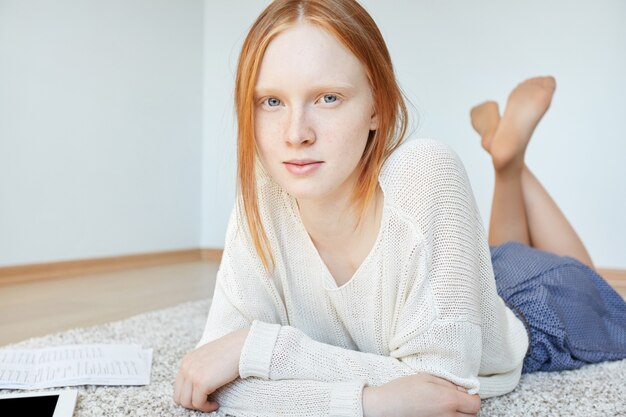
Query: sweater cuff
x,y
346,399
256,354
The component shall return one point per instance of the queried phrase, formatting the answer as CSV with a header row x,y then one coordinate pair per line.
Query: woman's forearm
x,y
418,395
371,402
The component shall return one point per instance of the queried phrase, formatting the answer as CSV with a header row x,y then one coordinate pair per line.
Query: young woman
x,y
357,278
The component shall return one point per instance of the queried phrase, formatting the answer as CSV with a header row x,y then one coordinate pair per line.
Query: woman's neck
x,y
332,223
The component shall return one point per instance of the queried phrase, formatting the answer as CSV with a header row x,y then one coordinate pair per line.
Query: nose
x,y
299,129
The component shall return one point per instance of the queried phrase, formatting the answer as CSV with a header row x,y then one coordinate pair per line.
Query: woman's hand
x,y
420,395
207,368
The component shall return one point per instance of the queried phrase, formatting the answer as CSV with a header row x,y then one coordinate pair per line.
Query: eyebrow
x,y
262,90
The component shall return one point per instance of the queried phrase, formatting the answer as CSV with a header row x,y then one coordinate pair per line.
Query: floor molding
x,y
213,255
615,277
64,269
53,270
614,274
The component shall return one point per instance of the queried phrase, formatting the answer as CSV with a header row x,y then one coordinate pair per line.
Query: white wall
x,y
114,141
225,26
100,128
453,54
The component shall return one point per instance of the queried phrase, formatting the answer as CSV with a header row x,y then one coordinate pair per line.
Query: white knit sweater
x,y
423,300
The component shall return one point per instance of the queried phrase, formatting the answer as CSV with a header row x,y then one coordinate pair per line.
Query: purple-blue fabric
x,y
572,315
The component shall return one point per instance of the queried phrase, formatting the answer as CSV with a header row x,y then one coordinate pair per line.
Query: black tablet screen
x,y
29,406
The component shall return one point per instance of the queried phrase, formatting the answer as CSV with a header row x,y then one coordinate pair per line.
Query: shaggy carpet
x,y
594,390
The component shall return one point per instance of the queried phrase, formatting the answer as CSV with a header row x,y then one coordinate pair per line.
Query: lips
x,y
301,162
302,166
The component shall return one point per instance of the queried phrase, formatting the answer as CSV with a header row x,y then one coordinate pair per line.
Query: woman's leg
x,y
508,212
537,220
550,230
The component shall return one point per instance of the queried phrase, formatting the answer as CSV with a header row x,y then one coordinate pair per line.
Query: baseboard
x,y
616,278
616,274
52,270
63,269
213,255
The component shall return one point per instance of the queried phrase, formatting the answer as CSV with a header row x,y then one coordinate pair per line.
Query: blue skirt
x,y
573,317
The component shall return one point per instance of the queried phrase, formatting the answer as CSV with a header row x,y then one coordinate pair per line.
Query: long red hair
x,y
351,25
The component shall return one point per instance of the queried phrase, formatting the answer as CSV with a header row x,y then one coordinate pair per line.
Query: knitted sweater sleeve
x,y
255,397
437,194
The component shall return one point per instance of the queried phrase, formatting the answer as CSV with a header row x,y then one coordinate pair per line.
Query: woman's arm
x,y
341,395
276,352
413,396
208,379
216,358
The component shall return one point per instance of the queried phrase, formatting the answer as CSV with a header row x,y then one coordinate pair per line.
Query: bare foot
x,y
527,104
485,118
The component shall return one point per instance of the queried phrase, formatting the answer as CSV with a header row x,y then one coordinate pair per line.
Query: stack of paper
x,y
75,365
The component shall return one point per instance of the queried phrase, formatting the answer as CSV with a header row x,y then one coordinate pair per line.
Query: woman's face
x,y
313,103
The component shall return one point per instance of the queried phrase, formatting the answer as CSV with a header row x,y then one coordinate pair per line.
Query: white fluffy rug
x,y
594,390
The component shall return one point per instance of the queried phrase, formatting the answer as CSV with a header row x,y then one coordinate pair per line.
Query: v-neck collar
x,y
329,281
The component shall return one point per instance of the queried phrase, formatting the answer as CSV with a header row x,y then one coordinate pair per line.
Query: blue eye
x,y
273,102
332,96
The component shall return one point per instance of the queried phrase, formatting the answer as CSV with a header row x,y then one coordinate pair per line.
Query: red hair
x,y
351,25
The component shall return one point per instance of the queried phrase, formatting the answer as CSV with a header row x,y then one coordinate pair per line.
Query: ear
x,y
374,120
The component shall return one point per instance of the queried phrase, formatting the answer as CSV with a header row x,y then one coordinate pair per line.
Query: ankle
x,y
510,172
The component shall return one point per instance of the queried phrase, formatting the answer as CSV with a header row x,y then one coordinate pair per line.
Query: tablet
x,y
39,404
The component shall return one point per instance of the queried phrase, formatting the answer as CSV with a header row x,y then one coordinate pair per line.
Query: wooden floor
x,y
42,307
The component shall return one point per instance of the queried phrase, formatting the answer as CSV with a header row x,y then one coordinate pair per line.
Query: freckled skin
x,y
313,100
